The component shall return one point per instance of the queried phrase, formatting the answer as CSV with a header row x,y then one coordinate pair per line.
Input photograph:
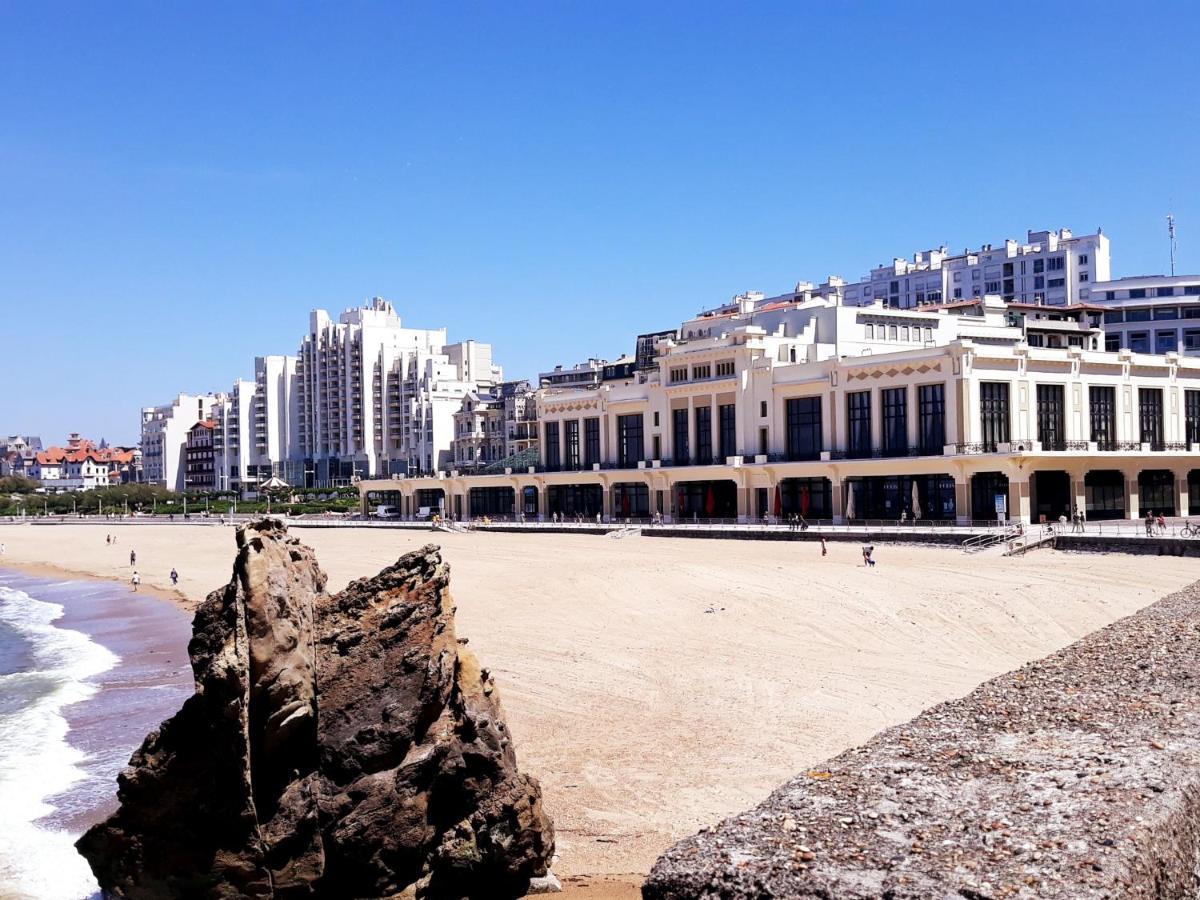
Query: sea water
x,y
43,669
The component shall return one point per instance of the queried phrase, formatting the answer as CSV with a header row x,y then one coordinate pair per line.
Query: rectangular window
x,y
1164,292
1055,282
1051,417
904,333
1191,416
1112,343
553,448
725,369
1139,341
699,372
991,287
704,447
1166,312
1008,270
1166,341
591,442
804,430
1191,339
1113,315
680,429
931,407
727,429
678,375
1039,282
1150,416
1191,312
870,332
631,448
893,333
1191,289
1039,265
1138,315
1055,264
1102,405
895,421
762,408
1083,259
858,424
1137,293
573,459
958,293
993,413
1083,276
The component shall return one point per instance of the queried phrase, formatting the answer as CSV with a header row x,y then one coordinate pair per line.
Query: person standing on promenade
x,y
1150,524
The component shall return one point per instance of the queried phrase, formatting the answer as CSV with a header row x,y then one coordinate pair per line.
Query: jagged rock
x,y
344,746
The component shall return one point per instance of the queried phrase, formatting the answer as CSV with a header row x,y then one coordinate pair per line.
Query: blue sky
x,y
181,183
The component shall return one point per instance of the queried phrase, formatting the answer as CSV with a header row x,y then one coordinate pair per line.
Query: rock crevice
x,y
336,746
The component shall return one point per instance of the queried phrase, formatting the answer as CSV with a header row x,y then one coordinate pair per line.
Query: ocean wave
x,y
36,761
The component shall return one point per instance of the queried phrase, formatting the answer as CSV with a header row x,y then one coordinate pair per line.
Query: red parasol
x,y
710,502
778,501
624,503
804,501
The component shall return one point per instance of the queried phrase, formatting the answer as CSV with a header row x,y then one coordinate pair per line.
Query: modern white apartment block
x,y
376,398
164,437
1050,267
1151,313
838,413
276,414
233,438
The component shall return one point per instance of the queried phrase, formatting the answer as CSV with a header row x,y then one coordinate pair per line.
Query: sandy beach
x,y
658,685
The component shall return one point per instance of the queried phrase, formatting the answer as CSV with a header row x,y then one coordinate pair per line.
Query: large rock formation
x,y
336,746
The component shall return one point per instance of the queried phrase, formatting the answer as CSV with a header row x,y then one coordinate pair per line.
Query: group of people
x,y
797,522
1155,521
135,580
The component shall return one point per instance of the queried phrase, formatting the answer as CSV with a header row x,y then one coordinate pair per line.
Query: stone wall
x,y
1076,776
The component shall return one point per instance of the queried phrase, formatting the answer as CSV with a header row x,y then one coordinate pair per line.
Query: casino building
x,y
808,405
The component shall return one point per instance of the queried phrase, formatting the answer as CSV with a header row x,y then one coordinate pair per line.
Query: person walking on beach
x,y
824,548
108,539
174,577
135,580
132,558
867,550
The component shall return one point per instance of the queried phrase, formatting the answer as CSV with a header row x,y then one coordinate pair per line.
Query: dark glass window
x,y
1114,315
553,448
931,404
1102,403
704,445
1051,416
993,413
591,442
679,423
727,430
1150,416
858,424
631,501
895,421
1191,415
1166,312
804,436
630,441
573,459
1138,315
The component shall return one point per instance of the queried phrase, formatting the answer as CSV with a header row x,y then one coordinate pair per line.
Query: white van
x,y
386,512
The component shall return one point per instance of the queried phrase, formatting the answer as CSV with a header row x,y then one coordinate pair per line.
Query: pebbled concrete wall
x,y
1076,776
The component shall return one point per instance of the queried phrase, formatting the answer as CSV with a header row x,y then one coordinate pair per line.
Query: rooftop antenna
x,y
1171,233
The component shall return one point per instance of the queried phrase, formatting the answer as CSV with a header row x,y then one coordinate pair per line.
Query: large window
x,y
1051,417
727,430
573,460
931,407
1166,341
591,442
679,425
895,421
1150,416
631,501
804,436
704,445
858,424
553,448
1191,415
1102,403
993,413
631,448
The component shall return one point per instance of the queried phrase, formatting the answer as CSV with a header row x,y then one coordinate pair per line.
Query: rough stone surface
x,y
344,746
1076,776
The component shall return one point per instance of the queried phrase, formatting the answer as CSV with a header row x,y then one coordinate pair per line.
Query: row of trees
x,y
19,496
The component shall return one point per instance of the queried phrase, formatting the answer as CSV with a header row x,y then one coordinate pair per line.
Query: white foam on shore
x,y
36,762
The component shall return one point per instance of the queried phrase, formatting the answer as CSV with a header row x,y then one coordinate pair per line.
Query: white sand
x,y
646,717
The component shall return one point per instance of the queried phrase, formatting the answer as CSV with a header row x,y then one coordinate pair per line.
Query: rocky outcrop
x,y
1076,776
336,746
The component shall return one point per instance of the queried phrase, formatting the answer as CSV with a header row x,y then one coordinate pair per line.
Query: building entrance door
x,y
1051,495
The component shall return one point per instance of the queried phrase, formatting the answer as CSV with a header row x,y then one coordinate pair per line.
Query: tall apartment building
x,y
164,437
846,413
1151,313
200,457
375,398
276,415
1050,267
233,438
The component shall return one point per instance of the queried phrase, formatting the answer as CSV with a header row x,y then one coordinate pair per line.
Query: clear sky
x,y
180,183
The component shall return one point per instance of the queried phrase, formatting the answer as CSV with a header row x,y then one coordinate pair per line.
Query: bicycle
x,y
1189,530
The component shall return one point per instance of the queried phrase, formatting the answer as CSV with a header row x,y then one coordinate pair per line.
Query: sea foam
x,y
36,762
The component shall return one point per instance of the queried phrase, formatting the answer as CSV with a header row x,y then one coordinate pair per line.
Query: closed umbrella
x,y
778,502
916,501
850,501
679,505
625,503
804,501
710,502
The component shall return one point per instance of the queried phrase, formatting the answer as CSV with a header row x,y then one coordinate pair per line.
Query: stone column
x,y
1132,501
1018,500
962,498
1182,500
836,495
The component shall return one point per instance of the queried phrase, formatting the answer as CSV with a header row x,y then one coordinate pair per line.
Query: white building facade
x,y
164,437
1151,314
